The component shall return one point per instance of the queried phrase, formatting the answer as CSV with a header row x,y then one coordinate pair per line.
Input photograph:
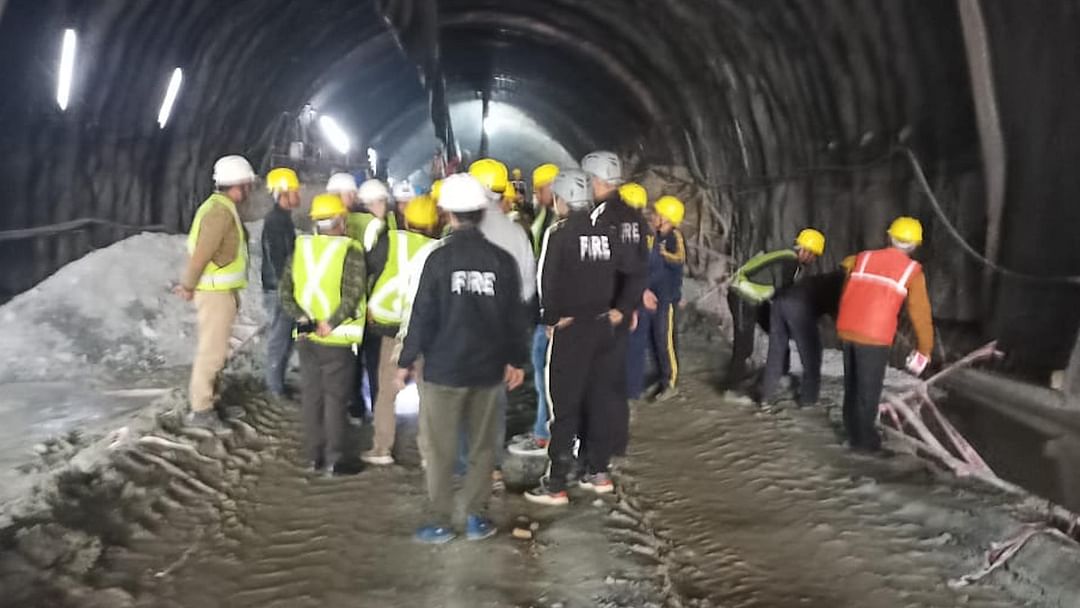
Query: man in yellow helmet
x,y
278,238
390,264
323,290
215,274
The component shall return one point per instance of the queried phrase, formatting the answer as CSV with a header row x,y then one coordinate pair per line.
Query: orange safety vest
x,y
875,291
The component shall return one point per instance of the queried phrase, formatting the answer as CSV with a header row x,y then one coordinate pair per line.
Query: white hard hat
x,y
341,183
403,191
462,192
604,165
233,170
373,190
572,186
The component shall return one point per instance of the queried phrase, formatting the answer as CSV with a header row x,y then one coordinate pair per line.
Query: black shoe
x,y
343,469
317,466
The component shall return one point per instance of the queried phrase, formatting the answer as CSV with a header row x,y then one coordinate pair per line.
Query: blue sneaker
x,y
434,535
479,528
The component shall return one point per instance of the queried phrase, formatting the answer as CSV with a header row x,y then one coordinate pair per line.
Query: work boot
x,y
599,483
531,446
543,495
342,469
207,420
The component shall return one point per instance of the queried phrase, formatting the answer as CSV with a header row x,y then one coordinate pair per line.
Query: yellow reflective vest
x,y
318,264
234,274
387,302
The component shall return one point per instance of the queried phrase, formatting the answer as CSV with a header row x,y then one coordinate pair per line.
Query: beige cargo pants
x,y
216,311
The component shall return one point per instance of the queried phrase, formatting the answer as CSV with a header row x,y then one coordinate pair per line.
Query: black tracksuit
x,y
579,279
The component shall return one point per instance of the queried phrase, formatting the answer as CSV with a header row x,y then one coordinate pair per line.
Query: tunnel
x,y
767,116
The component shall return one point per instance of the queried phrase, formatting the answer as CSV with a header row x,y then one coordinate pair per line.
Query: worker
x,y
578,277
323,290
390,264
344,185
466,323
376,199
878,284
278,237
636,197
794,316
403,193
605,171
216,271
543,217
667,258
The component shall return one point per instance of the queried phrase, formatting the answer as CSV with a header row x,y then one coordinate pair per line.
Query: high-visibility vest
x,y
365,228
232,275
537,229
758,292
318,265
875,291
356,225
387,300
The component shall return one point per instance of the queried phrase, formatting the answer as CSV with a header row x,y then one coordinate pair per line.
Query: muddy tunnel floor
x,y
720,504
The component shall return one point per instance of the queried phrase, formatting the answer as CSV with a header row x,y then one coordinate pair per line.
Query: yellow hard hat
x,y
421,212
906,230
326,206
510,193
811,240
490,173
671,209
281,180
516,173
634,195
544,175
436,189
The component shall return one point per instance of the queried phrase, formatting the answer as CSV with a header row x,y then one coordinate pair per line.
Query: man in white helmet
x,y
216,271
376,198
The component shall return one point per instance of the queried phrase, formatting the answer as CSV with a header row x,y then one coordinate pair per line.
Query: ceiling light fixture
x,y
335,134
67,69
170,97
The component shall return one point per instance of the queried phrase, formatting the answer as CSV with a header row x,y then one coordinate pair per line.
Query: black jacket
x,y
631,230
467,321
579,267
278,240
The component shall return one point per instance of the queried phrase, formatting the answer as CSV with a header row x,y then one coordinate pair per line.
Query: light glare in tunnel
x,y
67,69
170,97
335,134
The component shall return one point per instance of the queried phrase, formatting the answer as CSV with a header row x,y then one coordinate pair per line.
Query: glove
x,y
917,362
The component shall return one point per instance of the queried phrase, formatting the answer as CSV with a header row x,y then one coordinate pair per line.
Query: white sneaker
x,y
377,459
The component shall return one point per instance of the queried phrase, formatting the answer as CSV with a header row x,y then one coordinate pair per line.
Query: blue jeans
x,y
279,342
539,361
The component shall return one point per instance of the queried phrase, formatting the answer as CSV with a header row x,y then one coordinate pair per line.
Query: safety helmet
x,y
544,175
516,173
421,212
510,193
403,191
671,209
373,190
634,195
490,173
461,193
281,180
811,240
233,170
906,230
340,183
326,206
572,186
604,165
436,189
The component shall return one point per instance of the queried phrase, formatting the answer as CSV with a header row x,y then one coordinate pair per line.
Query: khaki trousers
x,y
216,311
385,416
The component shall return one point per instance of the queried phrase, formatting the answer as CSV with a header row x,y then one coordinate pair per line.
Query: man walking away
x,y
578,275
467,323
323,289
216,272
278,238
390,264
667,257
878,284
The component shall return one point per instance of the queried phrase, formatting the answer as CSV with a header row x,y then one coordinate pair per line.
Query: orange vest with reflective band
x,y
875,291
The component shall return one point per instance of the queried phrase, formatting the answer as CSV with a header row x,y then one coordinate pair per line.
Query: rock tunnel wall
x,y
785,113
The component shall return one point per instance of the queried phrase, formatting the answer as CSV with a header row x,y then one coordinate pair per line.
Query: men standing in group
x,y
878,284
605,171
278,238
467,324
390,264
323,290
578,273
216,272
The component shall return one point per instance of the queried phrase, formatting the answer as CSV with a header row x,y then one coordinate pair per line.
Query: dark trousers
x,y
618,416
636,348
792,318
745,316
659,327
327,374
367,366
864,377
582,368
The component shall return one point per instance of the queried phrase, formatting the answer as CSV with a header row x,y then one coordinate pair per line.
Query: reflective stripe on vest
x,y
356,225
537,229
757,293
875,291
232,275
387,301
318,267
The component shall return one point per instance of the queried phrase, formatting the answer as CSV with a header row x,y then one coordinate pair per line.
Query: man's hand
x,y
401,378
564,322
650,300
184,293
513,377
633,321
323,329
615,316
682,304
